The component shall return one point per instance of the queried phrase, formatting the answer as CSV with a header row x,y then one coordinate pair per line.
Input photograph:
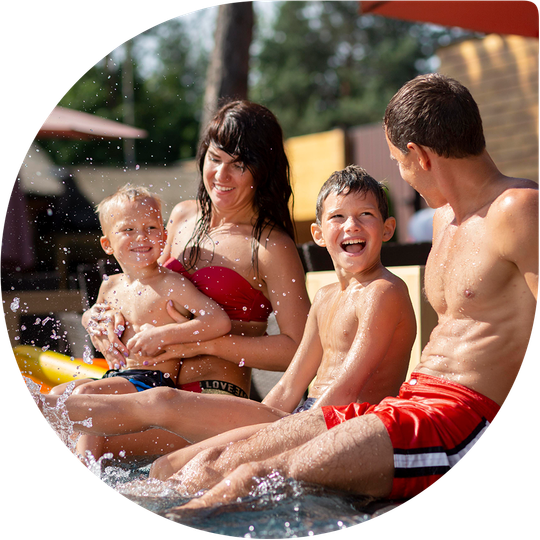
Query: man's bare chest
x,y
464,269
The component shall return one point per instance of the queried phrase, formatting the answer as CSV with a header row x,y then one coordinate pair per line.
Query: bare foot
x,y
236,485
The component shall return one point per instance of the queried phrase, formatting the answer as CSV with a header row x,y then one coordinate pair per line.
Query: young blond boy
x,y
134,234
360,330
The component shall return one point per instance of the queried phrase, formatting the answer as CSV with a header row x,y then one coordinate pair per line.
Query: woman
x,y
236,243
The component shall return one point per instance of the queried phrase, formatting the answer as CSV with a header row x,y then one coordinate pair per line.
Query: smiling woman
x,y
228,182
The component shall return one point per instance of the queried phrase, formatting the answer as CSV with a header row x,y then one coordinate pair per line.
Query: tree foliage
x,y
167,99
325,66
316,65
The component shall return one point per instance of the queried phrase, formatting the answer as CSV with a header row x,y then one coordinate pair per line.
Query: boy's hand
x,y
105,329
146,342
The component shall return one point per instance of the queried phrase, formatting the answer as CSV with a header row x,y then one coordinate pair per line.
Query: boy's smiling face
x,y
352,230
134,233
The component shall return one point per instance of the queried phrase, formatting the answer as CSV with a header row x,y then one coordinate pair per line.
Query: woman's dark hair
x,y
437,112
252,134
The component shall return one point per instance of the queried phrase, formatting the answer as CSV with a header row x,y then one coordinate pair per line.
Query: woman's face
x,y
229,183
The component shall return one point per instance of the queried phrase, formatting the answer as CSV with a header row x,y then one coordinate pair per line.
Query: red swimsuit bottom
x,y
432,424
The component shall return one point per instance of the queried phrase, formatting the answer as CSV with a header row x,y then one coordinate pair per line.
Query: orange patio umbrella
x,y
499,17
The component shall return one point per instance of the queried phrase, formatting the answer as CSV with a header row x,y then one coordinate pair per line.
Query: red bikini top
x,y
229,289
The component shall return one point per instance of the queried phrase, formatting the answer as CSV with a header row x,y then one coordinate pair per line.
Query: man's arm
x,y
517,232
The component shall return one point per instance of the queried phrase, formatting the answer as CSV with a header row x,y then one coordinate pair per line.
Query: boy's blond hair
x,y
126,193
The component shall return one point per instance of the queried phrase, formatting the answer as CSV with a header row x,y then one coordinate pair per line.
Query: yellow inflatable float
x,y
49,368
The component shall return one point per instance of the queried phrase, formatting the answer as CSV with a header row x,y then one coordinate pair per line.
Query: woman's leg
x,y
192,416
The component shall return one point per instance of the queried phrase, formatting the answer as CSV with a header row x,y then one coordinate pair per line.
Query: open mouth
x,y
222,189
353,246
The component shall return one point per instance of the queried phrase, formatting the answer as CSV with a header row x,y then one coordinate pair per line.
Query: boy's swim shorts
x,y
142,379
432,424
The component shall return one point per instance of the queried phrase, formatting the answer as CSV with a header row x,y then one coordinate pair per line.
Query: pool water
x,y
279,508
284,509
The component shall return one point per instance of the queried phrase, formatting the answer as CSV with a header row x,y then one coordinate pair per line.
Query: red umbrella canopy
x,y
72,124
499,17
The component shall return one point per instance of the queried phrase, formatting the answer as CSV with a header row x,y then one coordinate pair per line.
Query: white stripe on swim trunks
x,y
434,459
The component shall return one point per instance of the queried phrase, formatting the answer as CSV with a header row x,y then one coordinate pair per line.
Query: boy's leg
x,y
94,444
59,389
110,385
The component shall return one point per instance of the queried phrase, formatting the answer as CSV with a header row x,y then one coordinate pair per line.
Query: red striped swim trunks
x,y
432,424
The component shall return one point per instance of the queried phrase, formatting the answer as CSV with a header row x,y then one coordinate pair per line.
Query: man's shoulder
x,y
516,204
518,193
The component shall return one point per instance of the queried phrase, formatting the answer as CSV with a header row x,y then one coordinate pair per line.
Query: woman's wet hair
x,y
251,134
437,112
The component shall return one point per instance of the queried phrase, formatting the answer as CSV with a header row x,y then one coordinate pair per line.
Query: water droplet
x,y
15,304
87,355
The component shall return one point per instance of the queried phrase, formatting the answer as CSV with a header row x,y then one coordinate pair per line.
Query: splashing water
x,y
277,507
57,416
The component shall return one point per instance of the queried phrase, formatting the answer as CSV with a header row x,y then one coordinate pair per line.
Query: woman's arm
x,y
209,320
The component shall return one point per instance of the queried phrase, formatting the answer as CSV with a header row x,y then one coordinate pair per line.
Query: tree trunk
x,y
227,74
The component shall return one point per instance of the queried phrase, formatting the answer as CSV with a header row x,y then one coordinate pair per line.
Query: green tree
x,y
324,65
167,95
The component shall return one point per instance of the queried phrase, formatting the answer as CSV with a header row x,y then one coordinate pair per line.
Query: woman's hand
x,y
105,327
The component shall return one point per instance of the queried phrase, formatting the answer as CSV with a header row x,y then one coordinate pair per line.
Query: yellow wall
x,y
313,158
502,74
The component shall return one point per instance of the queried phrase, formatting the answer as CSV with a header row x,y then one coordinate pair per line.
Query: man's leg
x,y
355,456
166,466
212,465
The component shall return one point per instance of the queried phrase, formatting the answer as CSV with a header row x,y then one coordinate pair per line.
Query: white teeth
x,y
351,242
222,188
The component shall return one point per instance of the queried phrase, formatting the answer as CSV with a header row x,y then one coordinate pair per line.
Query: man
x,y
482,280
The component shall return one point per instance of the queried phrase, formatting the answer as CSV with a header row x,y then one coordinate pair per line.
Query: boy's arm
x,y
288,392
109,345
209,321
378,320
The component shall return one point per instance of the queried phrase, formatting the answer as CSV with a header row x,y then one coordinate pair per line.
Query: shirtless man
x,y
482,280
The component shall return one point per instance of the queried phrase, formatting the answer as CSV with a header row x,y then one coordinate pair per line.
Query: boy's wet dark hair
x,y
353,179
